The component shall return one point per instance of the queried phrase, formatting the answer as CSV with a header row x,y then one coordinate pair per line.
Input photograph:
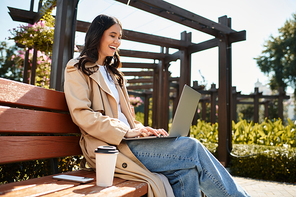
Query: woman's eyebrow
x,y
113,32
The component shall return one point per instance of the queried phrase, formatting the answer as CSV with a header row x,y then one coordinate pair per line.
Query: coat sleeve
x,y
77,92
138,124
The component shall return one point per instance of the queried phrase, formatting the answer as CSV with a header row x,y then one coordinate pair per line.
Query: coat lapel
x,y
105,92
123,98
98,77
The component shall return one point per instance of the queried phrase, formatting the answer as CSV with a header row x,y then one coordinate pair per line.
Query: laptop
x,y
183,116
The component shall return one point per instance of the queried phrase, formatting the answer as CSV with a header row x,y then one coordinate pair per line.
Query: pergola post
x,y
203,109
280,103
165,97
185,59
63,44
256,105
234,104
34,66
26,66
146,109
155,95
266,103
213,103
224,95
159,111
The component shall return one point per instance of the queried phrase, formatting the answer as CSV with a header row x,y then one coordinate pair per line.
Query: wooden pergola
x,y
210,96
63,48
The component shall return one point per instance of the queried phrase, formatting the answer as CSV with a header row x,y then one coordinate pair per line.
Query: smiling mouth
x,y
113,48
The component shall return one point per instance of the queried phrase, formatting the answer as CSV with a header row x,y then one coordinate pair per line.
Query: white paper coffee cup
x,y
105,165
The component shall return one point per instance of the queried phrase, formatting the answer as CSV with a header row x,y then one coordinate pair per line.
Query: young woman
x,y
99,104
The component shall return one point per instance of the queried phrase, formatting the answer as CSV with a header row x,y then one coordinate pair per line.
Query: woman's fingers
x,y
146,131
149,131
156,132
163,132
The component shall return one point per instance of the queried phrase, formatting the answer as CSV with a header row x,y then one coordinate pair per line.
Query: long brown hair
x,y
92,41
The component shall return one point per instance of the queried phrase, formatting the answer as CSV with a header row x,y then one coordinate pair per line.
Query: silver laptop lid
x,y
185,112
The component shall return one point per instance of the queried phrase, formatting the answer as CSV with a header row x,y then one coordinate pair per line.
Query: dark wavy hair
x,y
92,41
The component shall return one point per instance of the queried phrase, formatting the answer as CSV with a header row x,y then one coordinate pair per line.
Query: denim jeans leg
x,y
188,165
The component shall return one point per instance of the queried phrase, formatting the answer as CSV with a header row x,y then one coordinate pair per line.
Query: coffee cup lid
x,y
106,149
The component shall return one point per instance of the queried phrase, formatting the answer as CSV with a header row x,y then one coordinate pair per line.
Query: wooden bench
x,y
35,124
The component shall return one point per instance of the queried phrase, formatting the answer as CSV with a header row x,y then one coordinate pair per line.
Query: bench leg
x,y
54,165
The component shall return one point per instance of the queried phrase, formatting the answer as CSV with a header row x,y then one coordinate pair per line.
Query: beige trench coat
x,y
88,98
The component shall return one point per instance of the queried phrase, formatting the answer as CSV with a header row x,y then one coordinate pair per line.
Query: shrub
x,y
20,171
270,133
267,163
262,151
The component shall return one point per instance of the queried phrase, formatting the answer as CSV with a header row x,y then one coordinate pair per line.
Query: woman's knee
x,y
188,144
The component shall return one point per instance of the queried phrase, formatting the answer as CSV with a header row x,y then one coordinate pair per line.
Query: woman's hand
x,y
145,131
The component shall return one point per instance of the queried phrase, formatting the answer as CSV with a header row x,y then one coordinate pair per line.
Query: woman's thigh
x,y
160,155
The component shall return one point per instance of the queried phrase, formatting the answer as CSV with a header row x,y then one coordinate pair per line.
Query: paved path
x,y
260,188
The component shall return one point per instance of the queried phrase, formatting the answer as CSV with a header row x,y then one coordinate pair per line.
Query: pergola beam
x,y
173,57
203,45
153,39
181,16
237,36
150,80
139,87
140,80
137,65
141,37
142,73
141,54
29,16
233,37
82,26
22,15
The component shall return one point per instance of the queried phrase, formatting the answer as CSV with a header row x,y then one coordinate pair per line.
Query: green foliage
x,y
208,112
14,172
248,112
39,35
262,151
273,110
8,68
279,56
269,132
268,163
47,6
205,132
140,115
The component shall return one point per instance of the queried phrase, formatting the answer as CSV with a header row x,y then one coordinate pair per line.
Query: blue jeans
x,y
188,165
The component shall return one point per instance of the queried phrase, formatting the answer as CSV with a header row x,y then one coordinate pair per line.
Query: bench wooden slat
x,y
14,93
42,189
130,189
16,186
52,188
37,147
86,189
13,120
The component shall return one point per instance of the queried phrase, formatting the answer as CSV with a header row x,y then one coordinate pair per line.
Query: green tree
x,y
278,59
248,112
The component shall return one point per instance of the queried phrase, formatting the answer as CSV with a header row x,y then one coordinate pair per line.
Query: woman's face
x,y
110,41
